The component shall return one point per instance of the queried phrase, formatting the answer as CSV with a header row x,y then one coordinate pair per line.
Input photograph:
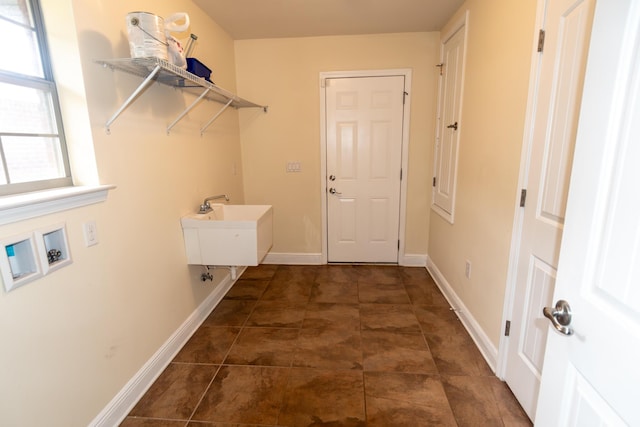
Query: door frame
x,y
406,73
462,24
518,218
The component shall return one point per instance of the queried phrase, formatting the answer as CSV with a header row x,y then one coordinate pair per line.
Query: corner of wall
x,y
488,350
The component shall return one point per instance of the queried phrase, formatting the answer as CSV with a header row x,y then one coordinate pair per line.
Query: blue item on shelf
x,y
198,68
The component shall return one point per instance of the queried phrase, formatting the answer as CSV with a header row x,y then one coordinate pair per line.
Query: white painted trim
x,y
413,260
323,169
120,406
463,22
24,206
293,259
484,344
407,73
518,218
406,126
437,209
409,260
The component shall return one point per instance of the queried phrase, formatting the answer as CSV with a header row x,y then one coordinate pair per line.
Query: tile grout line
x,y
295,352
439,374
364,384
221,364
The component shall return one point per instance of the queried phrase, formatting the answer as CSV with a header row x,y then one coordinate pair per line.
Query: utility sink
x,y
229,235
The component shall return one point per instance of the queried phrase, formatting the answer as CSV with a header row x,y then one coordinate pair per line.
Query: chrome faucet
x,y
206,207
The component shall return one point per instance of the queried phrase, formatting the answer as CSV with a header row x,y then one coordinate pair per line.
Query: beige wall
x,y
492,124
284,73
72,340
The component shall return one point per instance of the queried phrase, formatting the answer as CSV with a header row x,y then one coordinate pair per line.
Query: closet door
x,y
448,125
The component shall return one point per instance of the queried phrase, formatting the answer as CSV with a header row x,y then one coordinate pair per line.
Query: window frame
x,y
46,84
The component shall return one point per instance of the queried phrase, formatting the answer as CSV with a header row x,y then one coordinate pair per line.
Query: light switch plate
x,y
294,167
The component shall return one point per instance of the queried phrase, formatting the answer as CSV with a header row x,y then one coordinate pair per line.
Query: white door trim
x,y
518,218
462,21
405,149
461,24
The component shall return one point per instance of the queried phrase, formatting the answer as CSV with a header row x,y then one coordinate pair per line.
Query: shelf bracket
x,y
213,119
133,96
189,108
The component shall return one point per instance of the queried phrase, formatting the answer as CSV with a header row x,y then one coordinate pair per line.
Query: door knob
x,y
560,317
333,191
453,126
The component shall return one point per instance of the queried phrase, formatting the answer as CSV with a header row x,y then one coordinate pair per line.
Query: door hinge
x,y
541,41
434,181
523,197
441,66
398,244
400,174
404,97
507,328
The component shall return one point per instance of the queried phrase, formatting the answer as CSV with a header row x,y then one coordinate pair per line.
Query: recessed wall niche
x,y
19,261
53,247
26,257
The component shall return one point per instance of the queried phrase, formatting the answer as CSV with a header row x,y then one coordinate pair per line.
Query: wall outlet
x,y
467,269
90,233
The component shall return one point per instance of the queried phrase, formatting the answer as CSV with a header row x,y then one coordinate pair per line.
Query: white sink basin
x,y
229,235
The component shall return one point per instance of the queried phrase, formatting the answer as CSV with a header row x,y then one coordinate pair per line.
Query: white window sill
x,y
30,205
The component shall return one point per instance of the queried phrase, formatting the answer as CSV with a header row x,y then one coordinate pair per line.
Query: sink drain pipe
x,y
208,276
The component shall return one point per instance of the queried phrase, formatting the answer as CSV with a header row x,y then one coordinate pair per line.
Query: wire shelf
x,y
161,71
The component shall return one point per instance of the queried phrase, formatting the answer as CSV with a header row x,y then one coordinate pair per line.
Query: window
x,y
33,154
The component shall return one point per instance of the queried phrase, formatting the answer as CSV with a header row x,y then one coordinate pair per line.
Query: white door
x,y
364,119
448,134
555,109
591,378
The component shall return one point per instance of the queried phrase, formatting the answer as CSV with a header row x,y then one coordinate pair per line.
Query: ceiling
x,y
258,19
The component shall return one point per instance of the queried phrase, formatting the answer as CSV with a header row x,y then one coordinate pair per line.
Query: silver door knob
x,y
333,191
560,317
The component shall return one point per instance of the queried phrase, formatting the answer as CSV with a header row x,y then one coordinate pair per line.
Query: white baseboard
x,y
409,260
413,260
484,344
293,259
120,406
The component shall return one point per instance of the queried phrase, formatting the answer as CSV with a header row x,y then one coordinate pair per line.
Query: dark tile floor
x,y
329,346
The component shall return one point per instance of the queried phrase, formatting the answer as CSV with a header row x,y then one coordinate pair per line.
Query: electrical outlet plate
x,y
467,269
90,233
